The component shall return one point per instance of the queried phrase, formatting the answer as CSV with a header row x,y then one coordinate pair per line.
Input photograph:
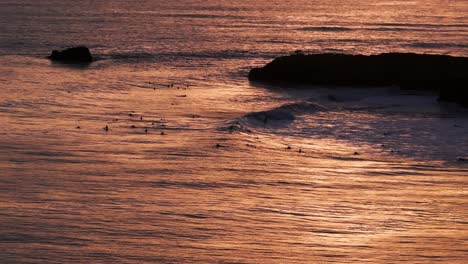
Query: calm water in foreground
x,y
193,173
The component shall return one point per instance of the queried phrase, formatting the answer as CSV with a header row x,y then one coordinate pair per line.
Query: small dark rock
x,y
332,98
454,94
76,54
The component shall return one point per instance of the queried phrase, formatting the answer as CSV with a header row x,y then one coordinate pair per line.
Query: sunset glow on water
x,y
195,172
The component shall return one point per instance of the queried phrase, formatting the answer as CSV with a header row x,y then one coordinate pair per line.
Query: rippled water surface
x,y
214,169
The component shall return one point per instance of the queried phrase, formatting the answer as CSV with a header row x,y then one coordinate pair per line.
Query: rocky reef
x,y
447,75
76,54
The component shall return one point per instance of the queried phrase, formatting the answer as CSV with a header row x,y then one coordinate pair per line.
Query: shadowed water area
x,y
197,165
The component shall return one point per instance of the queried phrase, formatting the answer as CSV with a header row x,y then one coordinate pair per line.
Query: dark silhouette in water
x,y
445,74
75,54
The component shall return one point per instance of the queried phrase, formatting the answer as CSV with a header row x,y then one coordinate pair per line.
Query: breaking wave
x,y
274,118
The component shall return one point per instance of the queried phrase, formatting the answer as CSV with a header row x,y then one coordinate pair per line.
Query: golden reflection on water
x,y
134,195
130,195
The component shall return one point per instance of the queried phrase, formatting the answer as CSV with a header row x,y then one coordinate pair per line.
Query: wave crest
x,y
274,118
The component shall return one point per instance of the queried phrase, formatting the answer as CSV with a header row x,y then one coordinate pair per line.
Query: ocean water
x,y
214,169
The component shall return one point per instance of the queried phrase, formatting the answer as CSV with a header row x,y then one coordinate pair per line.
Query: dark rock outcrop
x,y
75,54
445,74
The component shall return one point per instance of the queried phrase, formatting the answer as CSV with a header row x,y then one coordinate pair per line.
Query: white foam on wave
x,y
282,115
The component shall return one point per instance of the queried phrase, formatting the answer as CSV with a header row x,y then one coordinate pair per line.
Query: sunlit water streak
x,y
221,170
